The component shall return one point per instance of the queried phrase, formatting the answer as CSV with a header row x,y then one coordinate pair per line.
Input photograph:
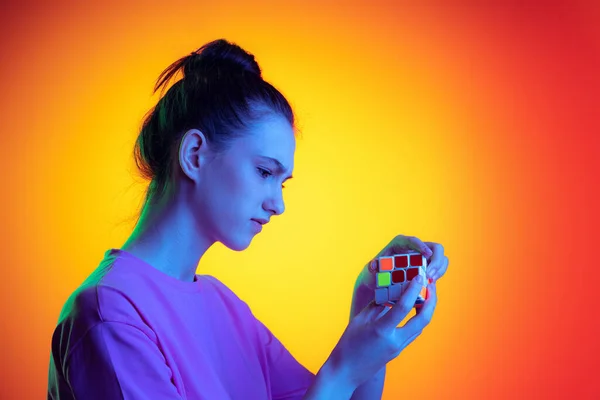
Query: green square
x,y
384,279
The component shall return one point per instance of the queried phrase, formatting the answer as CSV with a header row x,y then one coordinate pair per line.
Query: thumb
x,y
371,311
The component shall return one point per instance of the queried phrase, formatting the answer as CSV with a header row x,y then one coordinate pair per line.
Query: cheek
x,y
238,192
228,183
235,191
245,185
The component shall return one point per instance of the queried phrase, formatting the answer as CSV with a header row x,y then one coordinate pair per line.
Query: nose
x,y
275,204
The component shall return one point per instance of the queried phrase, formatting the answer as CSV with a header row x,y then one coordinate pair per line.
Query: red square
x,y
416,260
398,276
411,273
401,261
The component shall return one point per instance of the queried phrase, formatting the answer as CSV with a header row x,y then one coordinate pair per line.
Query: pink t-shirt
x,y
131,331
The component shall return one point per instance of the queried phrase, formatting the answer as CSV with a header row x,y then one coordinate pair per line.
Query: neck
x,y
166,237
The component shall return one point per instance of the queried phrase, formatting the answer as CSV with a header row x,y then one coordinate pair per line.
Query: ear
x,y
192,154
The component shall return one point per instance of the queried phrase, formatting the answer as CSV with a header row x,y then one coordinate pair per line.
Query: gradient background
x,y
470,124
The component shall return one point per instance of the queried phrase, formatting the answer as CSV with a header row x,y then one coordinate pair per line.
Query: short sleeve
x,y
289,379
115,360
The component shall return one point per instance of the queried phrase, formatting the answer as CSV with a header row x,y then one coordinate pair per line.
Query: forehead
x,y
272,136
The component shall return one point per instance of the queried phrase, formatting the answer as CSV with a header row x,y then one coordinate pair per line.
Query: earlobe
x,y
191,152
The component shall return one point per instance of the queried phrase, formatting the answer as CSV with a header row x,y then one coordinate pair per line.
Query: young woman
x,y
216,149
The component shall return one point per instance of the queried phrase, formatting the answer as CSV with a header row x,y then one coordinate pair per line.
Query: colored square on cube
x,y
384,279
416,260
401,261
395,291
386,264
421,297
381,295
398,276
423,274
411,273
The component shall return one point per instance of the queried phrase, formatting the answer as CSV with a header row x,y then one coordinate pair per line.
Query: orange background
x,y
466,123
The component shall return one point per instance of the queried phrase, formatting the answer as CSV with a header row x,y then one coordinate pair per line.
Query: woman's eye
x,y
263,172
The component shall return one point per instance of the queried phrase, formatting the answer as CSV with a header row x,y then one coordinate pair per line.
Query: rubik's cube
x,y
393,275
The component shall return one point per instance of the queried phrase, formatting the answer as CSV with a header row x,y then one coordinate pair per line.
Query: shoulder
x,y
104,296
96,301
91,305
223,290
217,284
227,299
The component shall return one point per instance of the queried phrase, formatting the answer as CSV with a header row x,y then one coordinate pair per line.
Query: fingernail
x,y
419,279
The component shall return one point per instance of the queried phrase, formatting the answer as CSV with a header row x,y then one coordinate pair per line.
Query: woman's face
x,y
245,183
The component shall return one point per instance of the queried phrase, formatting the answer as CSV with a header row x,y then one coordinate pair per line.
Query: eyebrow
x,y
280,166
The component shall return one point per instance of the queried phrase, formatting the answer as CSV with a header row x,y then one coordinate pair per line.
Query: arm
x,y
114,360
290,380
371,389
329,384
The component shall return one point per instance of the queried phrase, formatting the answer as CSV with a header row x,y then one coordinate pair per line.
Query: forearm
x,y
329,384
371,389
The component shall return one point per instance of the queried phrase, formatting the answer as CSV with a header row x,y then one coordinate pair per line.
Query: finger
x,y
400,244
403,306
410,340
435,248
441,270
419,321
385,310
368,275
370,311
373,265
434,264
420,246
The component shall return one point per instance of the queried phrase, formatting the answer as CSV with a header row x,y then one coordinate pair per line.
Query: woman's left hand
x,y
437,264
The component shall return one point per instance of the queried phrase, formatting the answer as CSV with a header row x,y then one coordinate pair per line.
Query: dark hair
x,y
221,93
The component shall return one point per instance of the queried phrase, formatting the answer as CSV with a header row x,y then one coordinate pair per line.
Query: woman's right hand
x,y
373,338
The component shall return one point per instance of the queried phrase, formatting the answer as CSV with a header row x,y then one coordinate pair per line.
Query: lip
x,y
256,226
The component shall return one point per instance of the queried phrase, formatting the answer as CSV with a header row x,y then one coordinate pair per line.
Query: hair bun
x,y
222,54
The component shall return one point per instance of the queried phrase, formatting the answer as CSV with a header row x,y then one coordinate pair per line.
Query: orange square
x,y
386,264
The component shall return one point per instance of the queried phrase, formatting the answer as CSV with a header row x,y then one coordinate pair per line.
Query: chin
x,y
237,244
